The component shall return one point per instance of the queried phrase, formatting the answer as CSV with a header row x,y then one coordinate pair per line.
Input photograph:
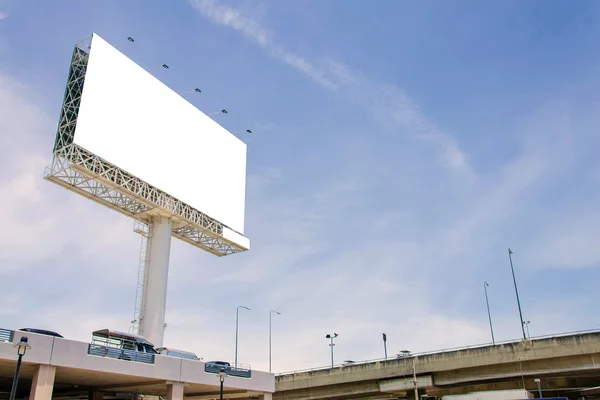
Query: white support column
x,y
265,396
175,391
154,300
43,383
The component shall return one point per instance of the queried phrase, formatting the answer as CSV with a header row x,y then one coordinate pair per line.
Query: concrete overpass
x,y
58,368
566,364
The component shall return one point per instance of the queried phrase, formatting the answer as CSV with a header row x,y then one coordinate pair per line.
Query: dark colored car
x,y
41,332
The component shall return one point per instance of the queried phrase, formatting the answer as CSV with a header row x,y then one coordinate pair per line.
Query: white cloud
x,y
386,102
3,15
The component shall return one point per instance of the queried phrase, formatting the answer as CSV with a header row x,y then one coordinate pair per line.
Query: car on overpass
x,y
165,351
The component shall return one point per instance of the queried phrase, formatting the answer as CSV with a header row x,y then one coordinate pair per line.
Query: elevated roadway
x,y
566,364
58,368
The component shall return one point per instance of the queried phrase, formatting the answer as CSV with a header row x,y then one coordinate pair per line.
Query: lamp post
x,y
537,380
222,375
21,347
516,292
331,337
270,315
487,302
237,316
385,345
526,324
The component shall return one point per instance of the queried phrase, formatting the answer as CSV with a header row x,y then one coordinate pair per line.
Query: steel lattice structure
x,y
86,174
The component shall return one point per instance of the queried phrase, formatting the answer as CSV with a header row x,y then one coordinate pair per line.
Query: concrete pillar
x,y
43,383
154,298
175,391
265,396
95,395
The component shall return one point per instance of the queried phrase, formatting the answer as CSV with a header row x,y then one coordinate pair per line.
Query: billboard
x,y
132,120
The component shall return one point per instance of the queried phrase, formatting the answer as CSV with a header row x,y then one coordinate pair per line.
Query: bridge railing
x,y
121,354
447,350
6,335
241,370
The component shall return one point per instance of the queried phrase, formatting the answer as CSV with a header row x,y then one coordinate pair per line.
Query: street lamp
x,y
537,380
331,337
196,90
485,286
237,317
385,345
526,324
222,375
21,347
270,315
516,292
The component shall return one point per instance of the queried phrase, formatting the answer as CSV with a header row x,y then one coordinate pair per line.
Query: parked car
x,y
41,332
177,353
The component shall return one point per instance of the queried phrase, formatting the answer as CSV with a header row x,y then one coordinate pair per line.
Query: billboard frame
x,y
89,175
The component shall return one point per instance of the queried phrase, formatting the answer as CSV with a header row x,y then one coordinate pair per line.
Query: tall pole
x,y
539,385
237,317
331,344
526,323
485,285
270,315
154,292
385,345
222,374
415,378
13,391
21,347
516,292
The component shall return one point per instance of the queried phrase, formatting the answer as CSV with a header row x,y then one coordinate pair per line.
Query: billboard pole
x,y
154,301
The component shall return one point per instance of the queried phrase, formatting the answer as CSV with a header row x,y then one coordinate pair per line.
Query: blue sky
x,y
399,149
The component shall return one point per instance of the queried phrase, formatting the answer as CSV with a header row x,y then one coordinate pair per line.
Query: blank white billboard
x,y
132,120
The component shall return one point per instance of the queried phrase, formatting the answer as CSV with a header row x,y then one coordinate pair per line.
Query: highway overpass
x,y
56,368
567,365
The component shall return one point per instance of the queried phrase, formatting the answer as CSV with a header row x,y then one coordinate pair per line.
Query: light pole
x,y
516,292
270,315
526,324
487,302
385,345
222,375
331,337
237,317
21,347
537,380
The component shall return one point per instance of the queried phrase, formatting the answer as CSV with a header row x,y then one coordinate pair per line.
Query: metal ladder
x,y
138,314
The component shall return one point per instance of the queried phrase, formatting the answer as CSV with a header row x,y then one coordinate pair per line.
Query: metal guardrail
x,y
241,371
121,354
425,353
6,335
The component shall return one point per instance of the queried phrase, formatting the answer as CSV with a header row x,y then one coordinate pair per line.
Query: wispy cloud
x,y
389,104
3,15
236,19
